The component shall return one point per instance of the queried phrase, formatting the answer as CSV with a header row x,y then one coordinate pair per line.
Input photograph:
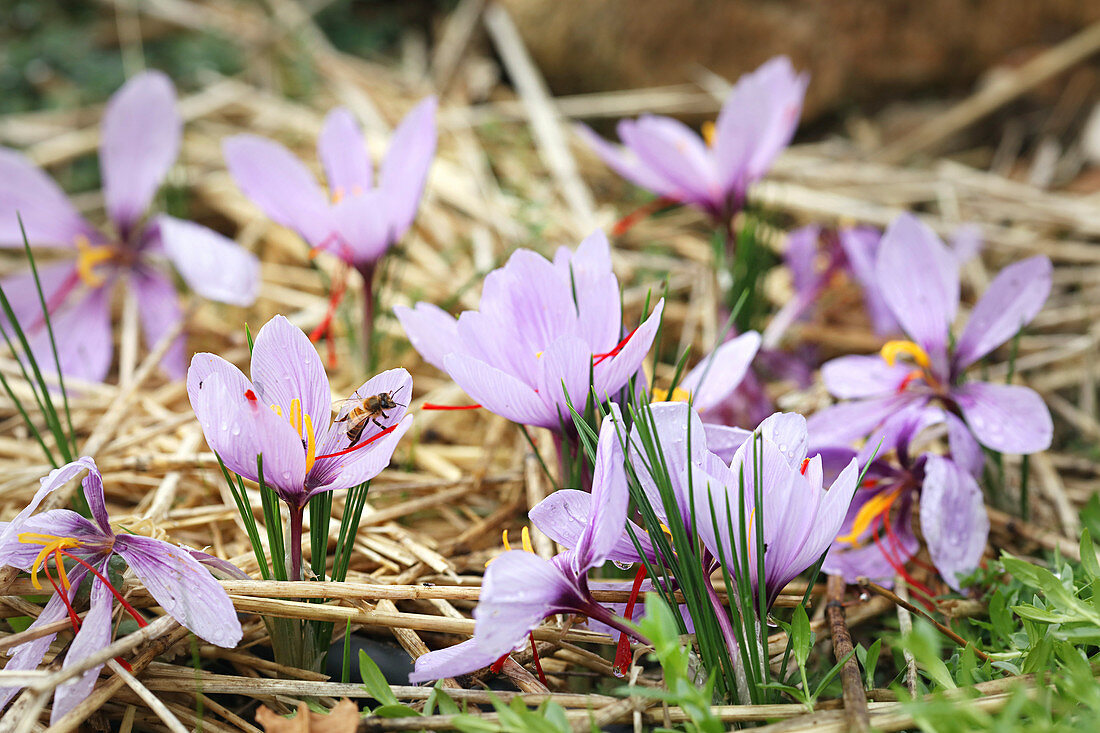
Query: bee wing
x,y
345,409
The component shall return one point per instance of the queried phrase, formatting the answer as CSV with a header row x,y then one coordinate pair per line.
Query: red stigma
x,y
356,447
597,358
909,378
433,406
622,651
250,395
498,665
535,657
805,465
622,226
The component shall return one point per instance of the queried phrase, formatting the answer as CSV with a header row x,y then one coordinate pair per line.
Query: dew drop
x,y
622,565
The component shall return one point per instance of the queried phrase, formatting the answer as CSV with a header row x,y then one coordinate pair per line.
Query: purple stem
x,y
366,271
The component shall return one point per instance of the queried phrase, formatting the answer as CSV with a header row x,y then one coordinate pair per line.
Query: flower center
x,y
679,394
710,133
892,350
338,193
875,507
51,545
303,425
525,535
88,257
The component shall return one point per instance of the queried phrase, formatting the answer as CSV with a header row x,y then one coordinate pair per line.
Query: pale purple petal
x,y
139,142
852,377
564,368
278,183
595,289
182,587
626,163
29,655
405,168
92,484
677,154
468,656
212,265
59,523
82,332
1005,417
22,292
830,517
787,430
361,232
724,441
966,452
842,424
286,367
716,377
519,590
239,428
94,635
159,311
27,192
49,483
432,331
362,464
867,560
612,374
680,441
610,498
919,280
564,515
966,242
1014,297
953,519
343,153
800,257
860,245
499,392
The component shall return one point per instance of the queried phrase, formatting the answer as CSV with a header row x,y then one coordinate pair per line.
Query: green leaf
x,y
394,711
801,635
1088,555
374,681
832,673
870,662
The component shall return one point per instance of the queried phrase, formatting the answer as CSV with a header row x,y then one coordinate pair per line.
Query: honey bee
x,y
364,410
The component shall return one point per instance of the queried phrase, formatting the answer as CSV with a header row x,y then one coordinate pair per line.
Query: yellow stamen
x,y
88,256
311,443
504,538
527,540
874,508
749,533
709,132
538,354
893,349
51,544
337,194
678,395
296,415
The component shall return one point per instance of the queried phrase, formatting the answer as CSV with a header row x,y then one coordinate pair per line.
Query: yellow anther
x,y
311,443
296,415
278,410
337,194
893,349
88,256
538,354
504,539
526,534
749,532
874,508
50,544
678,395
709,132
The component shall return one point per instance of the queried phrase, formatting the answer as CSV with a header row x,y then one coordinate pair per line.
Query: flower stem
x,y
366,271
296,514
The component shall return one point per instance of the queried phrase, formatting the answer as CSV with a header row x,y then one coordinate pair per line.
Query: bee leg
x,y
380,425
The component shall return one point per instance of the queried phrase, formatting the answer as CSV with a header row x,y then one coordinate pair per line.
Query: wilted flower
x,y
540,325
919,282
173,575
757,121
521,589
139,143
284,414
356,220
878,538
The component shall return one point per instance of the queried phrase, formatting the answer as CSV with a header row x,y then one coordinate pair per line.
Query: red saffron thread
x,y
250,395
433,406
535,657
622,651
805,465
498,665
114,591
622,226
356,447
597,358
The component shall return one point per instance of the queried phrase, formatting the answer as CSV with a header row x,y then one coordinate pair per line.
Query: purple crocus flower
x,y
757,121
521,589
284,414
919,282
800,517
140,141
355,220
173,575
540,325
878,537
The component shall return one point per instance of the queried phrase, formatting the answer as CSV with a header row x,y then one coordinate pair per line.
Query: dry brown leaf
x,y
344,718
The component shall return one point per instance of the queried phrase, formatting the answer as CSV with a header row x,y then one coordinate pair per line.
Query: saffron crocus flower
x,y
800,517
140,140
284,414
521,589
173,575
878,538
757,121
540,325
919,281
355,219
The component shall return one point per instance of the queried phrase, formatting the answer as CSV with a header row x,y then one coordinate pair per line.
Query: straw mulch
x,y
508,174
